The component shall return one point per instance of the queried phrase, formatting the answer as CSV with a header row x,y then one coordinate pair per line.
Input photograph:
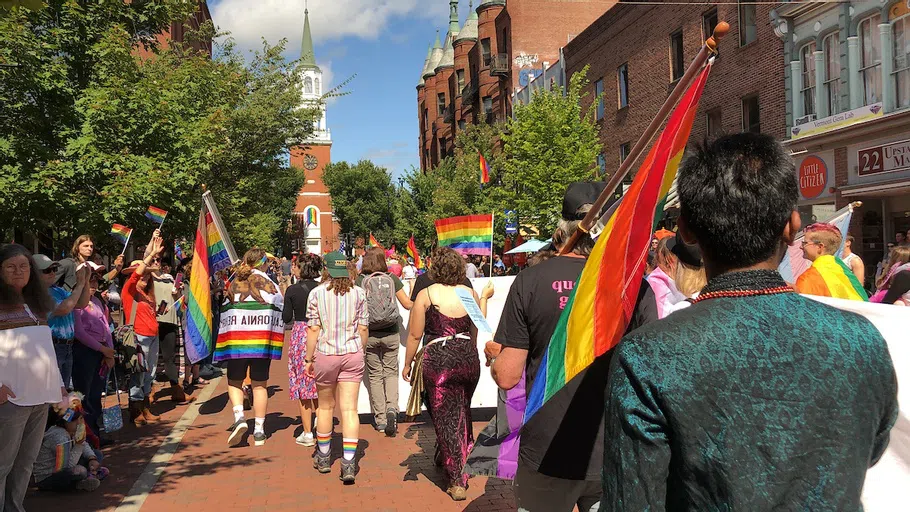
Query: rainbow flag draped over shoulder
x,y
412,252
602,303
469,234
830,277
199,298
794,264
218,257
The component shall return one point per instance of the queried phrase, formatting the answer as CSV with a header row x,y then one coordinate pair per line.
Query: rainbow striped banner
x,y
219,259
469,234
598,312
156,214
199,299
484,169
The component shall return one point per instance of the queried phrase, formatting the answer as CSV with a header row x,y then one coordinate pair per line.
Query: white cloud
x,y
251,20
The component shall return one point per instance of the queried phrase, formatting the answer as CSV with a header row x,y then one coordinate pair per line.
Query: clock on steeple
x,y
310,162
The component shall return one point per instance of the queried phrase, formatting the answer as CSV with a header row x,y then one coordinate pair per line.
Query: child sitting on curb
x,y
66,461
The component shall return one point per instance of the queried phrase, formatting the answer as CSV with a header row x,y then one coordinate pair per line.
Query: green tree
x,y
550,143
92,130
362,197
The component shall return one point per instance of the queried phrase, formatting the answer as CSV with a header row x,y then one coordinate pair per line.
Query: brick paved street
x,y
204,474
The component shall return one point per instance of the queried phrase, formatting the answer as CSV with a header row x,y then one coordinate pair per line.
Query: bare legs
x,y
307,407
346,393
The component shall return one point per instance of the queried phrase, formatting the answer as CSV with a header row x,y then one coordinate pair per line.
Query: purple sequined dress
x,y
451,369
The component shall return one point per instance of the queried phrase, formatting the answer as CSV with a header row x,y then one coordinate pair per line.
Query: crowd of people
x,y
718,396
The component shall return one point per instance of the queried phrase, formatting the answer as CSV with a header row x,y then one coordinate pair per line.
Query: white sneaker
x,y
306,439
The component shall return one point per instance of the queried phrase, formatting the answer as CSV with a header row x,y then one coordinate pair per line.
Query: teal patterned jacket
x,y
758,403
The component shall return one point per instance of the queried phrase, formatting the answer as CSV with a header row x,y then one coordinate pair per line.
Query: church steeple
x,y
307,52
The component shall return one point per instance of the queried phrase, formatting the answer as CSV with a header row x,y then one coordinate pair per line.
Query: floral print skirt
x,y
300,386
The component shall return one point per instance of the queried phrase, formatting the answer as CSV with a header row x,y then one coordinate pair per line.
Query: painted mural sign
x,y
885,158
857,115
813,177
523,60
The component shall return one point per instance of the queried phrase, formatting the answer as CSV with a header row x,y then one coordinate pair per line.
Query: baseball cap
x,y
579,194
44,263
336,264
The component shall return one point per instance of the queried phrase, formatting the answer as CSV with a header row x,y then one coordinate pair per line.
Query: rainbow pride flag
x,y
484,169
121,232
156,214
601,305
373,242
830,277
469,234
217,252
412,252
198,332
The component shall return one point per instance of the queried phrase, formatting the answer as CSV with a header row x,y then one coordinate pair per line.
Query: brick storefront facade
x,y
639,36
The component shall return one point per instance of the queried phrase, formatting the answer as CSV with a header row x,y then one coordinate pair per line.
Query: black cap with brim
x,y
579,194
690,254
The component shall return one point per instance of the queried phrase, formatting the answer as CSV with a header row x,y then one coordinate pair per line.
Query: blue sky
x,y
383,42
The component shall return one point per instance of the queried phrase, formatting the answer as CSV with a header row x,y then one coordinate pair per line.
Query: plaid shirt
x,y
339,316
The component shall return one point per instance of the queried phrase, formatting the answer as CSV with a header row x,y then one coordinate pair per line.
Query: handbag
x,y
129,354
112,417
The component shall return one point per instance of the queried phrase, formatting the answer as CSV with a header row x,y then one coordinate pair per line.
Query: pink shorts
x,y
332,369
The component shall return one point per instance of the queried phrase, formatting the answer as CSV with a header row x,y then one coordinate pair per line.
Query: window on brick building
x,y
488,109
485,50
751,122
748,27
677,64
622,85
831,48
807,65
601,165
460,75
442,148
440,103
461,124
901,28
624,149
708,22
598,96
714,121
871,65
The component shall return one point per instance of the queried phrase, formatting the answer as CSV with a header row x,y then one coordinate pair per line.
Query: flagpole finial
x,y
720,30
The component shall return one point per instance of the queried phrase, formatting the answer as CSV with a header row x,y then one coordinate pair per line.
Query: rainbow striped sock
x,y
350,446
324,442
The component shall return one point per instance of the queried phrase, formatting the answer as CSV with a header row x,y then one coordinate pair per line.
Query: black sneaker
x,y
322,463
237,430
348,472
258,438
391,426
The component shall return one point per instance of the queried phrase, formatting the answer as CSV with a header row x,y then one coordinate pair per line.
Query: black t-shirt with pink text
x,y
565,438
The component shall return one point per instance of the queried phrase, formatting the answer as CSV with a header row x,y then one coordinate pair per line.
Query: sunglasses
x,y
49,270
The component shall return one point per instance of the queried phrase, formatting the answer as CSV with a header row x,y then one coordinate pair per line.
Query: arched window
x,y
311,217
317,87
308,85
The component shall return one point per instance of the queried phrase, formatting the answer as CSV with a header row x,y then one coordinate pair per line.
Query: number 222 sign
x,y
888,158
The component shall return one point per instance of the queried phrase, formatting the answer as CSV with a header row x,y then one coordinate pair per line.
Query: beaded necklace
x,y
748,283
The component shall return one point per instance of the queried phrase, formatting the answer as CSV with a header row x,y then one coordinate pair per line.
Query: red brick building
x,y
469,77
636,53
177,31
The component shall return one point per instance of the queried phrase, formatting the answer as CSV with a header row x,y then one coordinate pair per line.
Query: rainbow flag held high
x,y
484,169
218,257
156,214
121,232
373,242
469,234
198,321
830,277
601,305
412,252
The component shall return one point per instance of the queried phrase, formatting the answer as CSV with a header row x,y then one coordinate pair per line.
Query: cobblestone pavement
x,y
204,474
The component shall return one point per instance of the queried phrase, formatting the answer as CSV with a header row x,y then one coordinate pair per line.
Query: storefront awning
x,y
888,188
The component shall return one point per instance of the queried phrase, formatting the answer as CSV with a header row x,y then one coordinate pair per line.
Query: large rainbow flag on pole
x,y
198,330
470,234
412,251
601,305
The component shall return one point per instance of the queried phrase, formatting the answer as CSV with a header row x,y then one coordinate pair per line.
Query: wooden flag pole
x,y
707,50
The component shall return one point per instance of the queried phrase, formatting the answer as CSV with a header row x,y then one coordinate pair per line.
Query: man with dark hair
x,y
753,398
561,448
